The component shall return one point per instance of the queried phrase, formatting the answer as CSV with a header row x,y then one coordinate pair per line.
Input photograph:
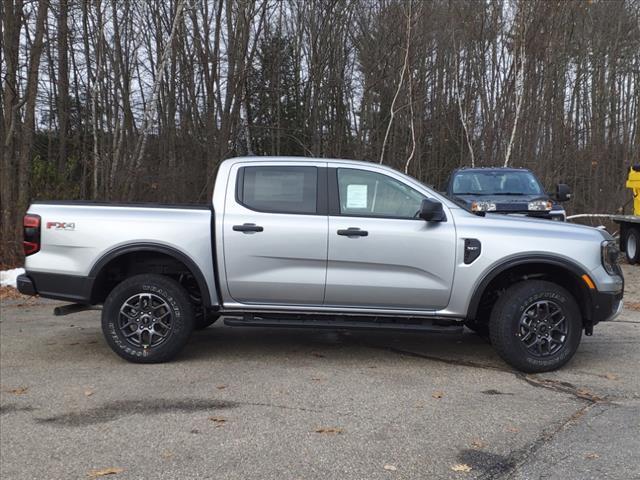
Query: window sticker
x,y
356,196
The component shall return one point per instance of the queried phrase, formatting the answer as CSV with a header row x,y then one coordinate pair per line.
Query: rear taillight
x,y
31,224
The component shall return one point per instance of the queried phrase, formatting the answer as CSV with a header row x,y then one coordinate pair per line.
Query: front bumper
x,y
606,306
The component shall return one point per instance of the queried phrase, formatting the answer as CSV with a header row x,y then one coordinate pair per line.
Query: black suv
x,y
506,190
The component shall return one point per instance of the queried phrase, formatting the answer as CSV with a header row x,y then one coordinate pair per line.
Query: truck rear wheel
x,y
536,326
632,246
147,318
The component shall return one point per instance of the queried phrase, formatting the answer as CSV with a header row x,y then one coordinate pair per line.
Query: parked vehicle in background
x,y
298,242
506,190
630,224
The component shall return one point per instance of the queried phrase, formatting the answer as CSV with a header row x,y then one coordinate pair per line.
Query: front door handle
x,y
353,232
247,227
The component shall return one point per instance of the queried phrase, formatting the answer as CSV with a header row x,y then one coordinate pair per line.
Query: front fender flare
x,y
523,259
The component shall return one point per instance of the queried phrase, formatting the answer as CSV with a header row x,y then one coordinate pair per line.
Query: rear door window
x,y
279,189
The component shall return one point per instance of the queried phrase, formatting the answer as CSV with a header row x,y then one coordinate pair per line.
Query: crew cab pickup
x,y
298,242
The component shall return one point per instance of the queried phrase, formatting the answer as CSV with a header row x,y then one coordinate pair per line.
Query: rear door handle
x,y
247,227
353,232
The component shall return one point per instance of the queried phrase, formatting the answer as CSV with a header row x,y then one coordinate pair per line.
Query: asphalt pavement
x,y
252,403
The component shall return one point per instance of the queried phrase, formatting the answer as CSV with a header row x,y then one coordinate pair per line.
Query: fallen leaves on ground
x,y
610,376
591,456
221,387
18,390
437,394
391,468
10,293
219,421
329,430
88,393
166,454
632,305
461,467
105,471
478,444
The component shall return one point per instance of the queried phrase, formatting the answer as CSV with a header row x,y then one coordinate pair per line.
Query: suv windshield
x,y
496,183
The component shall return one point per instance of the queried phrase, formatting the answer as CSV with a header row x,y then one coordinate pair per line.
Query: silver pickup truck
x,y
297,242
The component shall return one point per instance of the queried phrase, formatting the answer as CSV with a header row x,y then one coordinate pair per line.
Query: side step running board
x,y
337,322
73,308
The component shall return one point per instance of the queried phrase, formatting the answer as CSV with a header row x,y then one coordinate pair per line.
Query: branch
x,y
151,106
463,116
519,87
413,127
395,97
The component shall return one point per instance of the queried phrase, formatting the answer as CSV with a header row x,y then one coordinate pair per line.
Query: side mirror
x,y
563,192
432,211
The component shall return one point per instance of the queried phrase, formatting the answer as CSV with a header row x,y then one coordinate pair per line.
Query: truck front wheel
x,y
536,326
147,318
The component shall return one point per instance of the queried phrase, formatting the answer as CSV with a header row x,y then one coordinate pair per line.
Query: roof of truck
x,y
284,158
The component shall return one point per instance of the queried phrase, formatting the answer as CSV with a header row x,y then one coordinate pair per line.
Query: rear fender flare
x,y
157,248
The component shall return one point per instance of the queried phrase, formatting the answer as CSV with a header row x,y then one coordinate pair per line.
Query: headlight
x,y
610,253
540,205
483,207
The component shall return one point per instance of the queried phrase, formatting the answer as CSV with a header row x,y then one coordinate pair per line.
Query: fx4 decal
x,y
61,225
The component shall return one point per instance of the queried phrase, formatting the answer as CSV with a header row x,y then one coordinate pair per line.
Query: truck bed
x,y
79,237
626,219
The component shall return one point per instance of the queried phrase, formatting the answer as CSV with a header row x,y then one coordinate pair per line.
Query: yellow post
x,y
633,182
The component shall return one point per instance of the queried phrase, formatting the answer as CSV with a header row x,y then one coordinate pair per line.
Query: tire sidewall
x,y
632,233
506,322
182,318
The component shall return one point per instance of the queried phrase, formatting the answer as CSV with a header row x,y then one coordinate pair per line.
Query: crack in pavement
x,y
518,458
500,467
562,387
549,384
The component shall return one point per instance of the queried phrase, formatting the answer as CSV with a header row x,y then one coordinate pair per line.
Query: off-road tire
x,y
181,318
505,325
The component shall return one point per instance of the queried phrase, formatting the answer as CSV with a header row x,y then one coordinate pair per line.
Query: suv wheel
x,y
536,326
147,318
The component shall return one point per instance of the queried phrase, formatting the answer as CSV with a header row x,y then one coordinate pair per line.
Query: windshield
x,y
496,183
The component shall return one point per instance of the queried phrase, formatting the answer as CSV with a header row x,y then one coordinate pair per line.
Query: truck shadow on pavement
x,y
219,342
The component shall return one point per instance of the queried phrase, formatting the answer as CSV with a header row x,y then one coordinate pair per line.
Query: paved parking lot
x,y
262,404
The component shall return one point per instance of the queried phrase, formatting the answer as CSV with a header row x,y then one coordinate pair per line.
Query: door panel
x,y
399,264
392,260
275,258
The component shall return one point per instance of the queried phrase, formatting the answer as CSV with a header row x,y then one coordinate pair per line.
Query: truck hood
x,y
542,228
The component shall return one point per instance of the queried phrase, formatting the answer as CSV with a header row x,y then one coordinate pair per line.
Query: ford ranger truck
x,y
298,242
